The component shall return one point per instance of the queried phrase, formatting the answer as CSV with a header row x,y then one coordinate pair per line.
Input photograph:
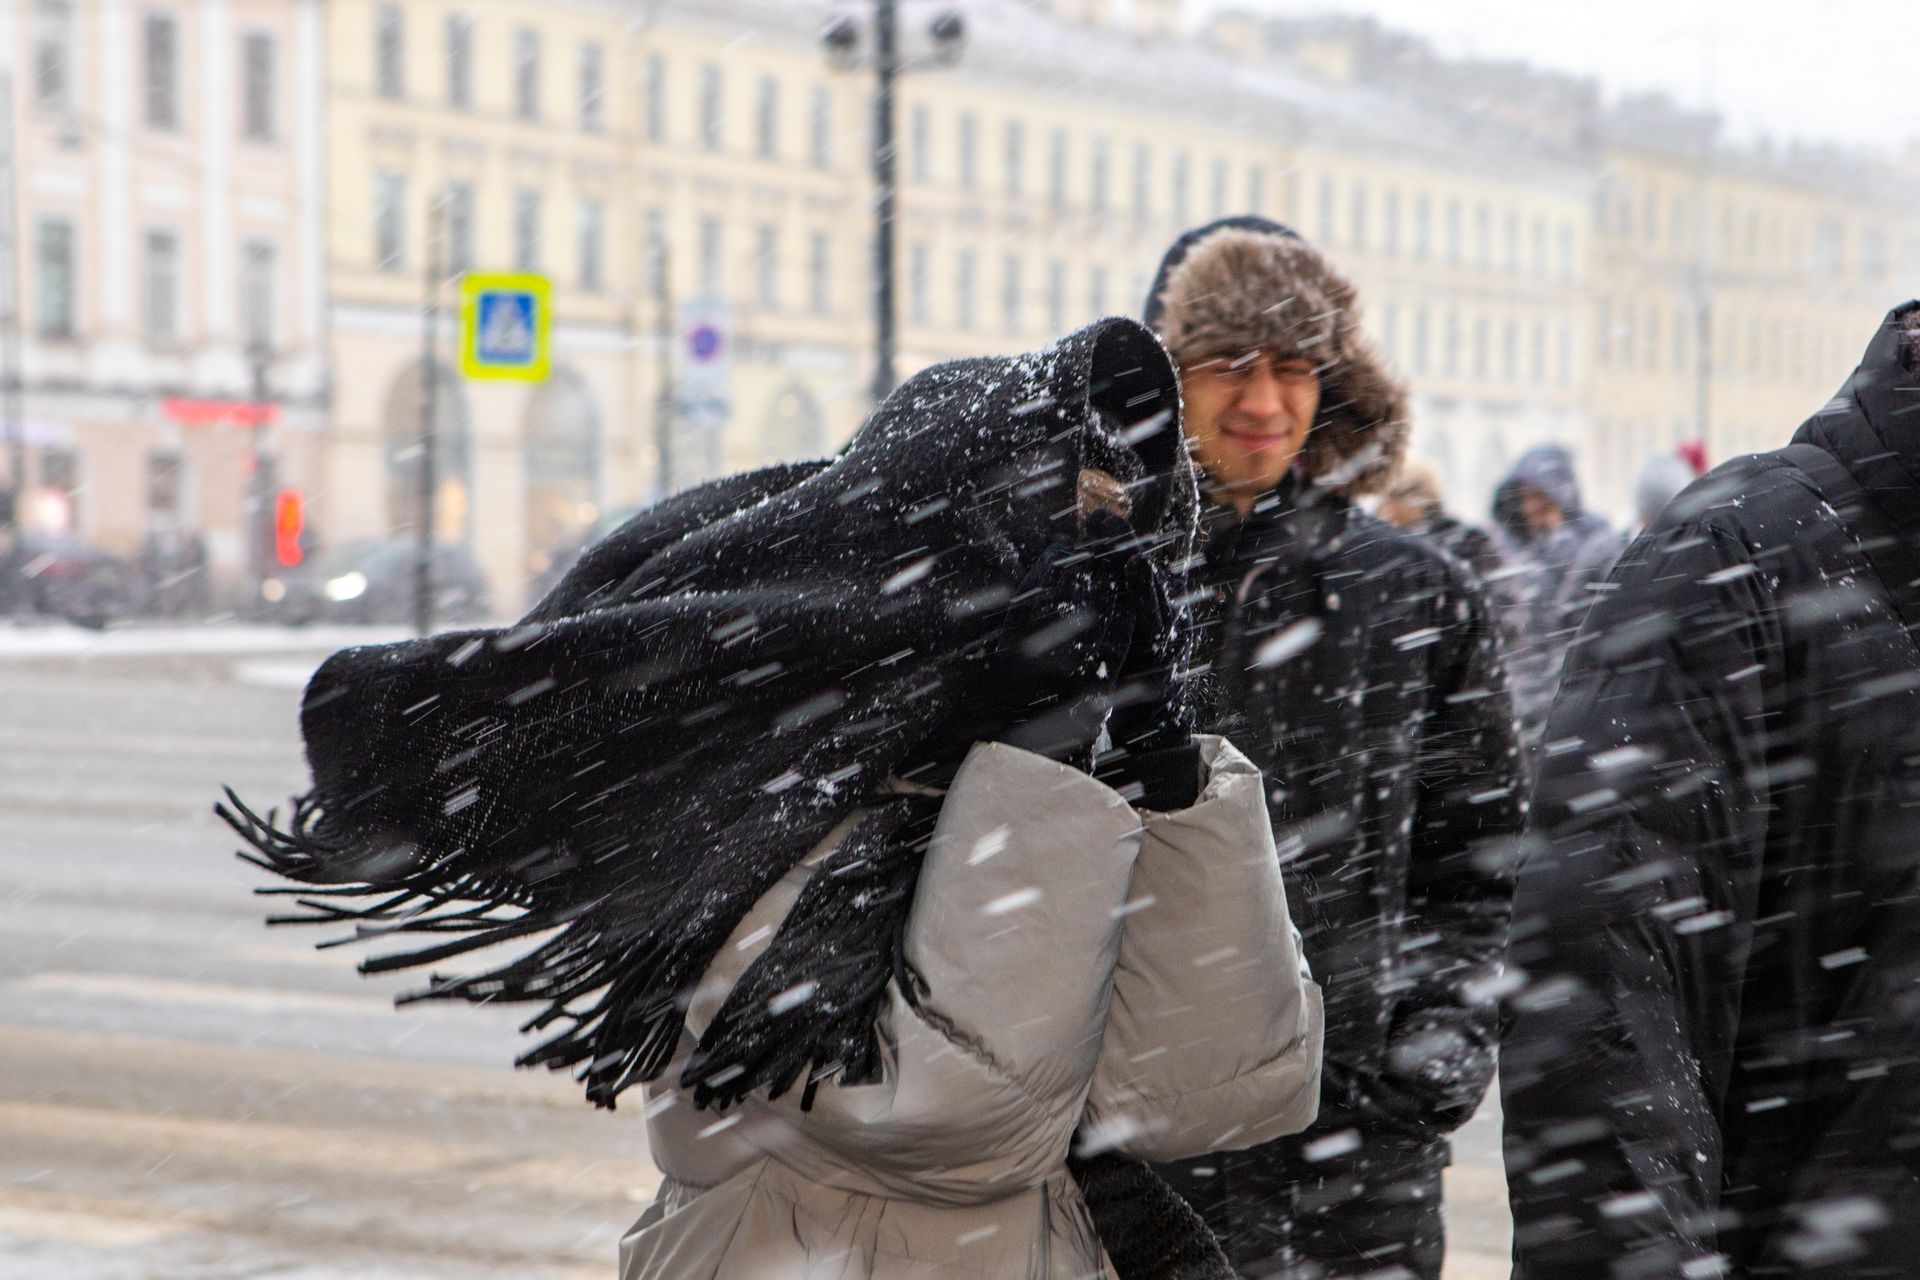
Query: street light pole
x,y
886,49
429,404
842,38
12,375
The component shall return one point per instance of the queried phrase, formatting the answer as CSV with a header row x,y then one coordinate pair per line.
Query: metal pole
x,y
429,403
260,499
12,375
663,416
886,33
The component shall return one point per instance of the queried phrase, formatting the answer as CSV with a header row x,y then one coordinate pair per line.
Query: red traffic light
x,y
289,520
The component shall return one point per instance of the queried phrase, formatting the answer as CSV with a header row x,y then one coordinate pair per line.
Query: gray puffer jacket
x,y
1088,967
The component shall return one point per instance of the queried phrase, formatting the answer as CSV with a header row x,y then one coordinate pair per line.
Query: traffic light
x,y
289,519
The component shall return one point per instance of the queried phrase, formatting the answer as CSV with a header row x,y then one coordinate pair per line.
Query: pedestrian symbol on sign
x,y
505,321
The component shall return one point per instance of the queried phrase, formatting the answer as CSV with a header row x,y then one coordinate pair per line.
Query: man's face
x,y
1542,514
1246,418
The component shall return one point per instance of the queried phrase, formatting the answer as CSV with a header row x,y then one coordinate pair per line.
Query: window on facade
x,y
1016,160
967,150
712,273
1422,323
257,270
920,145
820,128
56,262
1323,228
1650,217
53,52
1510,351
1453,233
819,273
1483,237
766,117
1603,330
963,284
1097,291
655,93
1390,223
526,230
1482,348
1539,248
1097,176
1056,297
711,87
592,229
766,267
1011,317
1450,347
160,48
1142,181
1256,189
526,74
919,268
1873,254
390,51
1624,341
166,483
1682,326
1537,354
1510,234
1653,337
1564,360
389,220
593,88
1177,184
1390,330
1357,218
256,86
1422,227
654,239
160,295
1219,184
1564,255
459,227
460,61
1057,169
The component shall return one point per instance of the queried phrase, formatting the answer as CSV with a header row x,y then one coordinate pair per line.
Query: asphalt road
x,y
186,1094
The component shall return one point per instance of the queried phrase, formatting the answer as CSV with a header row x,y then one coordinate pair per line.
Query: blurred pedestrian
x,y
1559,552
802,768
1357,666
1413,502
1661,479
1714,1067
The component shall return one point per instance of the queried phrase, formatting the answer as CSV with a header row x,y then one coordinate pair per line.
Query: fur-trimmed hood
x,y
1248,282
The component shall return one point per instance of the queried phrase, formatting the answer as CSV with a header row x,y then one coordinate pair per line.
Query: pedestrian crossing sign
x,y
506,327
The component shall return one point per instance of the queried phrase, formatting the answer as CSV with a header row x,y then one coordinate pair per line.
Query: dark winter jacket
x,y
1358,669
1553,579
1717,1049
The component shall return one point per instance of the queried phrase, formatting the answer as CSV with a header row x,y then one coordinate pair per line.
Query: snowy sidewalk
x,y
61,641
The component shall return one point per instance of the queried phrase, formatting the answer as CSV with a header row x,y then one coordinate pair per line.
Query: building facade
x,y
224,200
167,208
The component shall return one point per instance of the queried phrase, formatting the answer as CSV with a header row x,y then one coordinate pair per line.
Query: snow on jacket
x,y
1554,579
1714,1067
1079,965
1359,669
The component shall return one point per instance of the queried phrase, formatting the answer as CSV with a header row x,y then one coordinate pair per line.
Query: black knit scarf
x,y
620,776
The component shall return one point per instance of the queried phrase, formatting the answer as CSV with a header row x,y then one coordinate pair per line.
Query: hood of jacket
x,y
1872,424
1245,282
1548,469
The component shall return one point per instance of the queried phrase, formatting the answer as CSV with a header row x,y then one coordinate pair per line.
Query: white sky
x,y
1820,70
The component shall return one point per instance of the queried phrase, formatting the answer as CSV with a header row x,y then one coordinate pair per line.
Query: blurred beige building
x,y
1540,265
167,210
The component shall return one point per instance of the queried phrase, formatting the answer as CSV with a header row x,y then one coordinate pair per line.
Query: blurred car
x,y
568,555
65,577
372,581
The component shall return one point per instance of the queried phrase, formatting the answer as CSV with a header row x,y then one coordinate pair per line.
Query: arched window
x,y
560,459
405,454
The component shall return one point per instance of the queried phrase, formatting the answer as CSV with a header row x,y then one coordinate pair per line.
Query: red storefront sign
x,y
215,413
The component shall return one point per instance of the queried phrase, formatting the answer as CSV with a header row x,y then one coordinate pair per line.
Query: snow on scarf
x,y
617,778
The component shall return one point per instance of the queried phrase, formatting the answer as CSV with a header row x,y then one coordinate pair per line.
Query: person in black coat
x,y
1713,1067
1356,665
